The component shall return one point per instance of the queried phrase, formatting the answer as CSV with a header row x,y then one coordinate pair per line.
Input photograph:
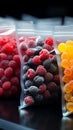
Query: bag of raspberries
x,y
64,48
9,61
40,82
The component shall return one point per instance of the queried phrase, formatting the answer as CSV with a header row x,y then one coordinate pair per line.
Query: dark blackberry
x,y
47,63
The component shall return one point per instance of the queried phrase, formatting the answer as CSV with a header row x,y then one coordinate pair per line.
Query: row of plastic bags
x,y
39,61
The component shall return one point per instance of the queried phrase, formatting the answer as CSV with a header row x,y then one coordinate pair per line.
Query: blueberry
x,y
30,61
37,50
40,42
53,69
54,59
28,83
25,68
47,63
24,77
33,90
39,98
38,80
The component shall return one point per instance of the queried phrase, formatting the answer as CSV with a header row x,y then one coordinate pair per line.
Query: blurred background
x,y
36,8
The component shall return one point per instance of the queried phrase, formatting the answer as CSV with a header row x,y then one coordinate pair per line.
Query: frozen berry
x,y
39,42
56,79
9,57
50,56
6,85
54,59
52,86
30,63
1,72
41,70
4,64
53,69
48,77
42,88
37,50
8,48
25,68
48,47
4,78
21,39
47,94
49,41
39,98
14,81
23,47
30,73
36,60
28,83
25,58
1,91
31,44
3,56
14,90
0,83
33,89
30,52
47,63
44,54
12,64
8,72
17,59
29,100
38,80
24,77
17,72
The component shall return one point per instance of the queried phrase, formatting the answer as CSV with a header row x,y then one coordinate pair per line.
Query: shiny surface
x,y
39,118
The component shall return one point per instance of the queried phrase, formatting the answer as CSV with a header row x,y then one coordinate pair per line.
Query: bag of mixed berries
x,y
40,83
9,61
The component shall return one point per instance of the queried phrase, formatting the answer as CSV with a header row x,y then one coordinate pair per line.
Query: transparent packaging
x,y
40,83
68,20
64,49
9,61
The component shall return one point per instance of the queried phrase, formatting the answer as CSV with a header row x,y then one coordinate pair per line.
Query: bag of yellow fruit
x,y
64,49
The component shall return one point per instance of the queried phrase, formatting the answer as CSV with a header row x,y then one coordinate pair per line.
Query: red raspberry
x,y
8,72
23,47
52,86
31,43
36,60
57,79
14,89
47,94
9,57
14,81
12,64
48,77
1,72
31,73
42,88
48,47
0,83
41,70
17,59
3,56
30,52
25,58
8,48
4,64
4,78
6,85
17,72
49,41
21,39
3,40
29,100
1,91
50,56
44,54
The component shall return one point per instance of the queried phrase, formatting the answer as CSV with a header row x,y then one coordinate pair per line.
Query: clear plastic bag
x,y
68,20
40,82
9,61
64,49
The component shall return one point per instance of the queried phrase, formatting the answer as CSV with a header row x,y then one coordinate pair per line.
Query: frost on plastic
x,y
64,48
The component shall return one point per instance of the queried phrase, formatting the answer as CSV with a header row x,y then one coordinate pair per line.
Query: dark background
x,y
38,8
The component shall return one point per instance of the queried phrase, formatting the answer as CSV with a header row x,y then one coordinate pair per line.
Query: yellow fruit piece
x,y
69,42
62,47
72,99
67,97
71,63
69,106
69,49
65,55
67,88
68,71
66,79
65,63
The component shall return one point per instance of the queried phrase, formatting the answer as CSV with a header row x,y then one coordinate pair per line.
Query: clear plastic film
x,y
64,49
68,20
